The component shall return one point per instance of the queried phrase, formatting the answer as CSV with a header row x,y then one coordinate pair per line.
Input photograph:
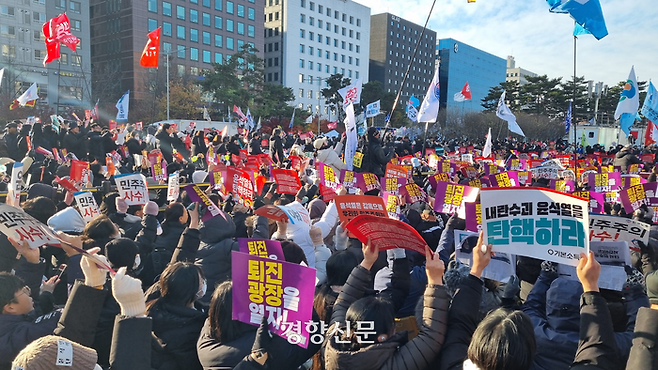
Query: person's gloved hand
x,y
128,293
341,238
456,223
95,275
512,288
634,278
316,235
122,206
151,208
550,268
395,254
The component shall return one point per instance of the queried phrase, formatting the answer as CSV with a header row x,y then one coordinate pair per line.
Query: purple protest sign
x,y
604,182
636,196
631,180
450,198
159,170
490,168
327,176
262,248
446,167
565,186
350,180
473,212
393,184
434,179
367,181
217,180
281,291
197,195
596,201
413,193
392,204
507,179
515,164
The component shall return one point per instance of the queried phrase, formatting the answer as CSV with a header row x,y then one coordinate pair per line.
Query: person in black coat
x,y
233,146
165,142
199,144
254,147
11,140
96,144
625,158
376,157
276,147
75,141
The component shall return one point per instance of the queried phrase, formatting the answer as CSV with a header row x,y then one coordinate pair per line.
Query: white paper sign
x,y
132,188
173,188
612,256
18,225
501,266
297,214
16,185
613,228
86,205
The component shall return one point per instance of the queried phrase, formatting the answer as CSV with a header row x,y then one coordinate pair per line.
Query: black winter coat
x,y
276,149
76,144
625,158
199,146
254,147
376,157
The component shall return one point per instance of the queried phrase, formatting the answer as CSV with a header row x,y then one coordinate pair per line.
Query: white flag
x,y
412,113
459,97
206,115
258,125
430,107
2,73
250,120
29,95
350,135
309,119
503,112
122,106
351,93
372,109
486,151
629,102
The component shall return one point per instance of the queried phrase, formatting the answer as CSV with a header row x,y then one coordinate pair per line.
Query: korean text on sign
x,y
86,205
132,188
20,226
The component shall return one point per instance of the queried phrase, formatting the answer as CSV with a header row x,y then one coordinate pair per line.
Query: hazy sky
x,y
540,41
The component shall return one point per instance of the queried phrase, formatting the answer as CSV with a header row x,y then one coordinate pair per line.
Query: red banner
x,y
288,181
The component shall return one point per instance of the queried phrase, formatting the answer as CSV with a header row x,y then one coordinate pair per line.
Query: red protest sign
x,y
272,212
239,183
288,181
351,206
66,184
386,233
393,170
79,170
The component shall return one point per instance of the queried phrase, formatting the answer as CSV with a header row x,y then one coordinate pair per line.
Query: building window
x,y
311,21
358,24
206,19
194,71
240,28
251,14
310,65
194,1
194,35
166,46
152,6
240,10
75,7
180,12
9,51
301,76
218,5
60,4
301,33
180,51
302,18
206,38
301,48
302,3
358,49
229,43
219,58
301,63
39,17
351,20
320,9
251,31
64,58
180,32
309,94
218,41
152,24
166,28
194,54
310,50
7,11
310,36
229,25
76,60
229,7
218,22
206,56
206,3
166,9
276,46
194,16
356,61
181,70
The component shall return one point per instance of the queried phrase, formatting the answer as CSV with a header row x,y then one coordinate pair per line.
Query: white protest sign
x,y
86,205
18,225
467,158
173,188
297,214
501,266
612,256
612,228
540,223
16,185
545,172
132,188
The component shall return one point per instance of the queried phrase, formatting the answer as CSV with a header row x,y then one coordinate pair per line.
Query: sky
x,y
540,41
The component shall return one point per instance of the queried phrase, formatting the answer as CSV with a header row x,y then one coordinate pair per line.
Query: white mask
x,y
202,291
138,261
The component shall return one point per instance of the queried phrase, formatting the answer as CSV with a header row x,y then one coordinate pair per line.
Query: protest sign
x,y
545,172
20,226
504,180
15,185
392,202
612,228
450,198
413,193
612,256
66,184
198,195
467,158
386,233
327,176
473,213
297,214
446,167
563,185
604,182
173,187
350,181
132,188
86,205
369,181
501,266
516,164
287,180
636,196
393,184
239,184
525,177
278,290
534,222
159,169
80,171
631,180
217,178
351,206
490,169
264,248
272,212
469,171
595,200
393,170
436,178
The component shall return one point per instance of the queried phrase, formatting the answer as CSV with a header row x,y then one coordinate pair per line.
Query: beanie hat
x,y
121,252
53,352
453,278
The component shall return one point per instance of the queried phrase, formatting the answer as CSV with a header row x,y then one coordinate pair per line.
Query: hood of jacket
x,y
372,357
167,317
563,305
216,229
67,220
622,153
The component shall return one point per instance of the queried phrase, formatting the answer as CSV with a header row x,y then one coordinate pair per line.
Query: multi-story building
x,y
61,84
460,63
195,33
517,74
308,41
392,43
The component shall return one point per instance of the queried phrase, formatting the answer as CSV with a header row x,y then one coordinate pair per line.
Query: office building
x,y
392,43
308,41
517,74
63,84
195,33
459,63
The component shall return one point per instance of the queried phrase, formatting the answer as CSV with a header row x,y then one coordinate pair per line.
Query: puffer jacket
x,y
624,158
176,329
331,157
217,242
397,352
554,308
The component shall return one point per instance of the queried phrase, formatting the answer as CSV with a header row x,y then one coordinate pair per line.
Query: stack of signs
x,y
542,224
288,181
86,205
20,226
173,187
386,233
450,198
262,248
611,228
197,195
501,266
634,197
278,290
612,256
132,188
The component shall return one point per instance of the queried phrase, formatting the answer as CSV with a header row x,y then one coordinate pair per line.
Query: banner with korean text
x,y
450,198
540,223
86,205
262,248
20,226
386,233
132,188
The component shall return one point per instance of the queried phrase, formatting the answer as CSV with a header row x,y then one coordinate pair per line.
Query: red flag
x,y
332,125
56,31
151,50
237,110
52,45
651,134
466,91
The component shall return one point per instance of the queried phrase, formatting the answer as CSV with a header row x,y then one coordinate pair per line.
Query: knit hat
x,y
454,277
317,208
121,252
318,143
47,352
199,176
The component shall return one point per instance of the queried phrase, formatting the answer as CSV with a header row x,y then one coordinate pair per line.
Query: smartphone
x,y
191,206
62,268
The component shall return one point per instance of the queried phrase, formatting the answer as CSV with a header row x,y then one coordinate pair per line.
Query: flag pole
x,y
574,121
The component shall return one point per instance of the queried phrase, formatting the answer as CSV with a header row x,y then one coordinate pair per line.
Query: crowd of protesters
x,y
169,305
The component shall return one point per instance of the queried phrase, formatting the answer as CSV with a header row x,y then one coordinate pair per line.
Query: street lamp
x,y
167,54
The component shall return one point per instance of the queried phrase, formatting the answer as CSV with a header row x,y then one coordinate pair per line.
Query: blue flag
x,y
626,121
587,13
567,121
650,107
580,30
